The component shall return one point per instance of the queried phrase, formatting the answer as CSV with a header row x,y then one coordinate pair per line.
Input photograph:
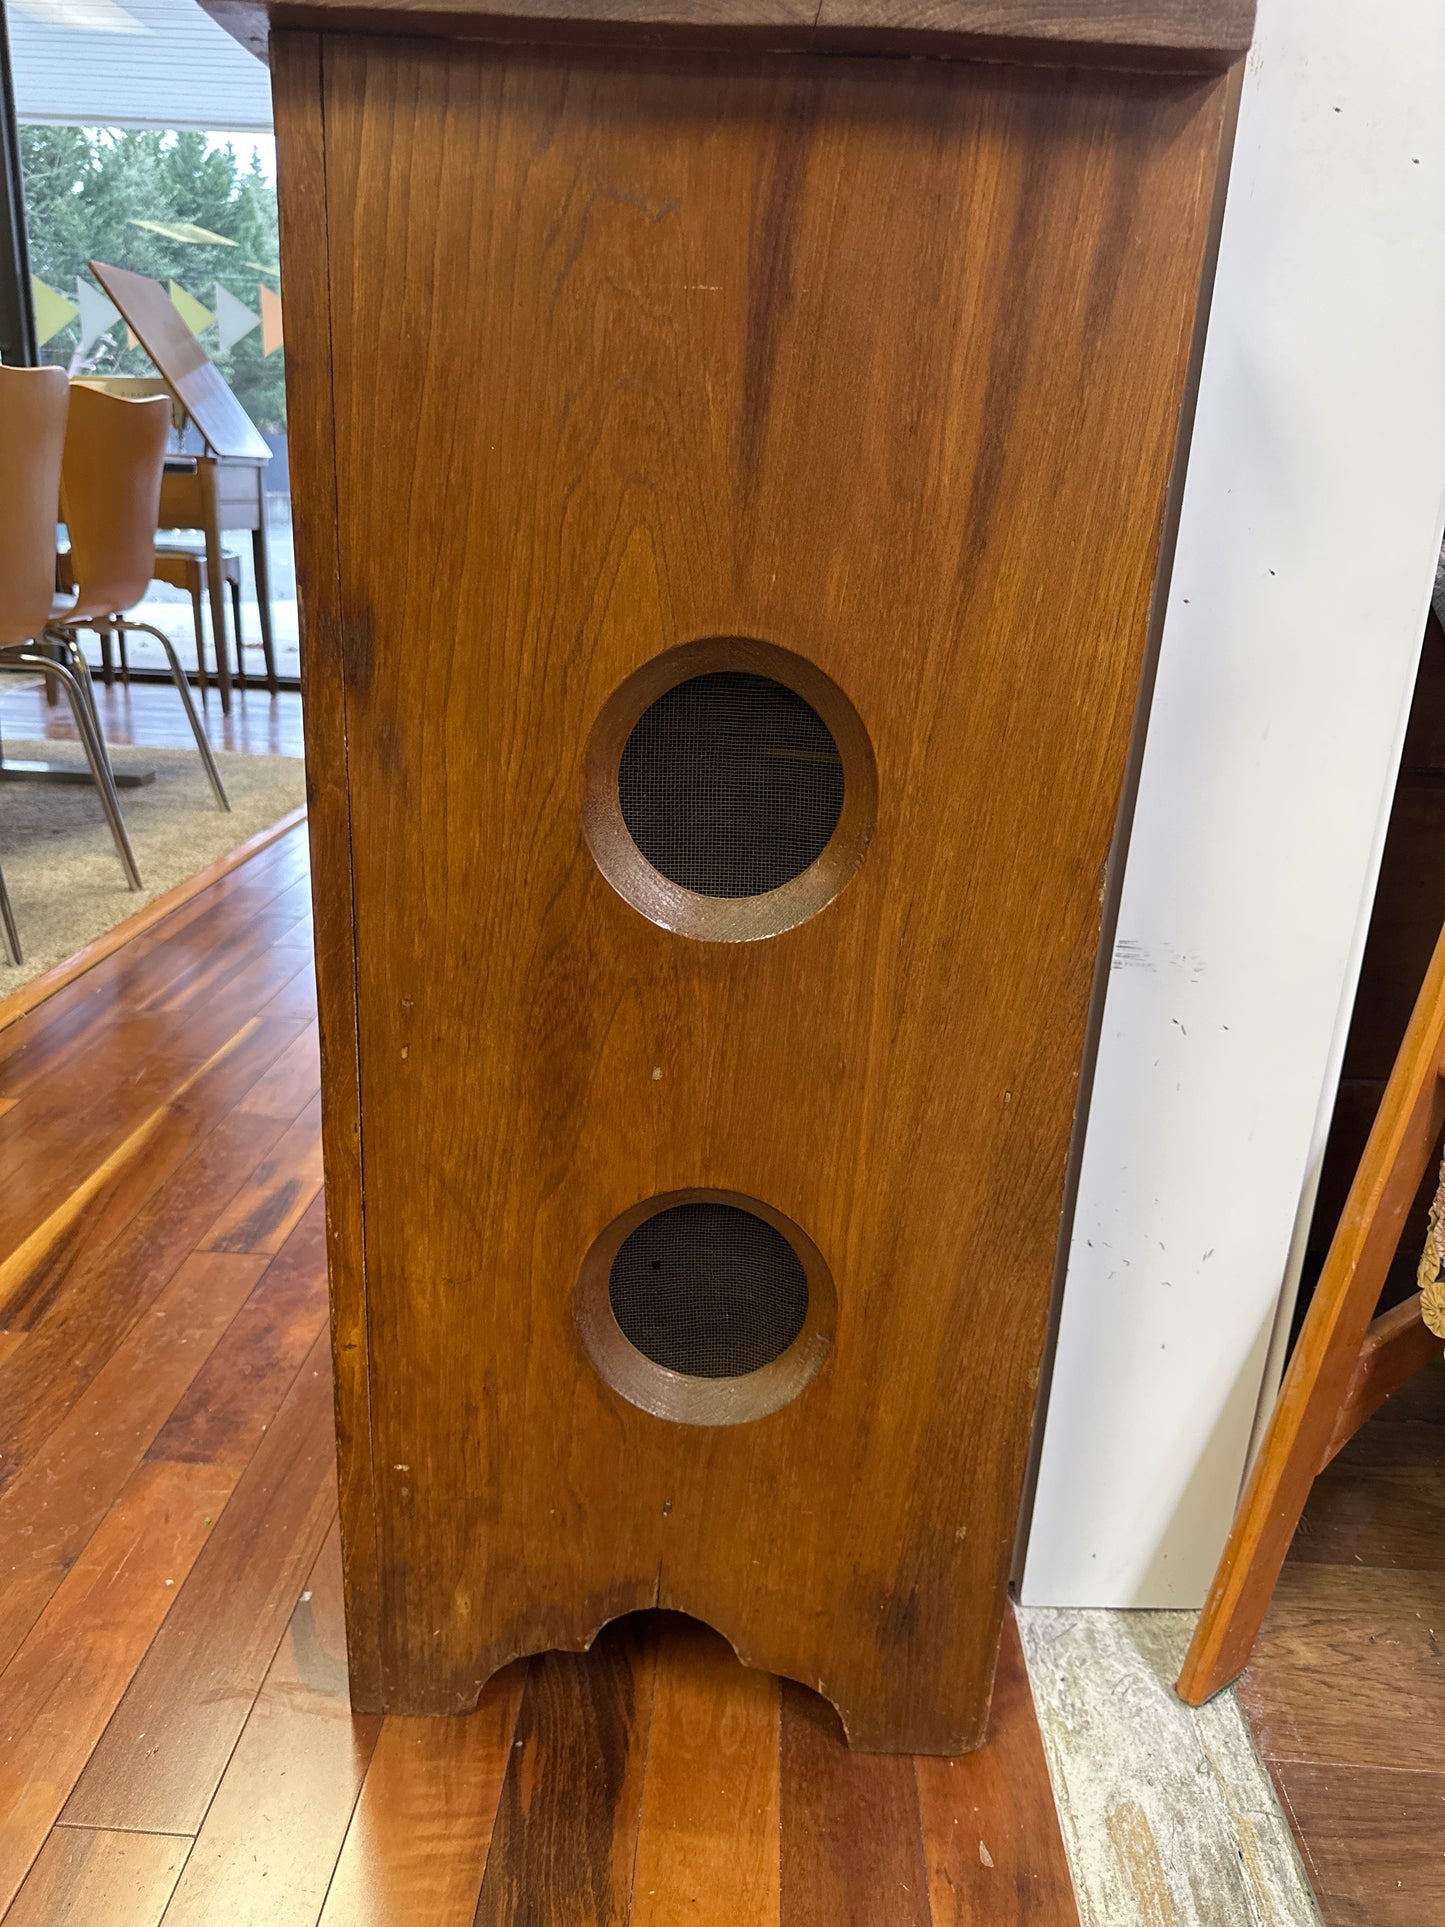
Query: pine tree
x,y
87,188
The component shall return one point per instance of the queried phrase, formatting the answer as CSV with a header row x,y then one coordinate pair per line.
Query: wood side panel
x,y
883,366
296,83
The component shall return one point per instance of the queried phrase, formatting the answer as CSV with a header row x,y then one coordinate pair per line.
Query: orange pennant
x,y
270,319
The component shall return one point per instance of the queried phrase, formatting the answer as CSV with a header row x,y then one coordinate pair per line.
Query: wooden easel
x,y
1346,1362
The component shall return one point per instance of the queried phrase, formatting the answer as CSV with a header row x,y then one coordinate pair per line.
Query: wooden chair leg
x,y
200,630
235,588
107,657
1324,1376
262,559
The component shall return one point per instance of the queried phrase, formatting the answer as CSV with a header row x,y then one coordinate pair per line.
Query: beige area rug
x,y
63,874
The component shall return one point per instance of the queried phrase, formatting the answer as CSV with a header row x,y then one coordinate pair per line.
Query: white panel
x,y
133,63
1311,524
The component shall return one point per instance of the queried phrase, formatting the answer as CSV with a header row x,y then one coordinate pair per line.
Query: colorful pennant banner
x,y
231,318
52,311
196,318
234,320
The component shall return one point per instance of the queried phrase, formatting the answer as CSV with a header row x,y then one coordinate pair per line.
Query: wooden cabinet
x,y
624,355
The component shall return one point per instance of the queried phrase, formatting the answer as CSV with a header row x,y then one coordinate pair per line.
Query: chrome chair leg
x,y
183,689
69,641
7,924
94,744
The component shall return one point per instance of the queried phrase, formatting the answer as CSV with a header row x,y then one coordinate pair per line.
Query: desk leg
x,y
263,599
216,590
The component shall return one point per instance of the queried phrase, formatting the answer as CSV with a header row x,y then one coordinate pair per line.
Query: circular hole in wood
x,y
731,790
706,1307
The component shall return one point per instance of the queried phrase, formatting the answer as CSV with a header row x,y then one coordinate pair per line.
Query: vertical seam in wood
x,y
782,1815
343,657
918,1829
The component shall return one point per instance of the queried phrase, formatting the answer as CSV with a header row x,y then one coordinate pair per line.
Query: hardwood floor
x,y
259,723
175,1737
1346,1690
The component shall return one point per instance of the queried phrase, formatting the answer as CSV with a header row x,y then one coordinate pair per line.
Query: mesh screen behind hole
x,y
730,784
708,1289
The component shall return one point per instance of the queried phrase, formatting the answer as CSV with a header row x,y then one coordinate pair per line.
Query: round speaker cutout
x,y
731,790
730,784
705,1306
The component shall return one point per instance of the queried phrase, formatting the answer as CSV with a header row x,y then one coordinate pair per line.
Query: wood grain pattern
x,y
49,1511
94,1879
1380,1503
1373,1839
292,1081
1397,1345
236,1394
708,1838
852,1841
264,1213
713,436
266,1852
110,1286
38,1266
1349,1649
990,1832
62,1686
566,1827
164,1751
1177,35
419,1839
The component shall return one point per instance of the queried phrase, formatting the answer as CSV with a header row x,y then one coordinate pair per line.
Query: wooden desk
x,y
213,494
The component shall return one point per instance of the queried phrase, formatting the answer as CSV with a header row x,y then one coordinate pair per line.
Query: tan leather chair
x,y
34,405
110,492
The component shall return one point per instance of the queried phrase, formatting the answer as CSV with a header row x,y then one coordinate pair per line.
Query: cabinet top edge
x,y
1168,36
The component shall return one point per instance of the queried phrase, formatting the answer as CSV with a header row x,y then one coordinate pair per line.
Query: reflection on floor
x,y
259,723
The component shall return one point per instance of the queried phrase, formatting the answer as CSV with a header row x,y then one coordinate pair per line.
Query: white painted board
x,y
1310,528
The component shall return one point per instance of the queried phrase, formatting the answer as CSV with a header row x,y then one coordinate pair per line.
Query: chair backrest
x,y
110,492
33,404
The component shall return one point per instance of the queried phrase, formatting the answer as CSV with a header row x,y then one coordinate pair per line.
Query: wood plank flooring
x,y
176,1742
1346,1690
259,724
